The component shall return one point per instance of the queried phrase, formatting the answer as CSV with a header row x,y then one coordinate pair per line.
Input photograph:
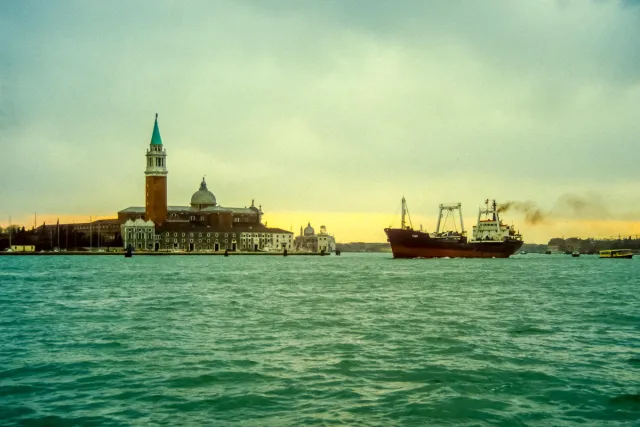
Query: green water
x,y
359,339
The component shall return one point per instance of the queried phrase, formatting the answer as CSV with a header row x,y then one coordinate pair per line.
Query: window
x,y
183,234
190,234
175,234
199,234
208,234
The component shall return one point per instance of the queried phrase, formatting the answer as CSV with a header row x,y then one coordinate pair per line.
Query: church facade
x,y
310,241
203,225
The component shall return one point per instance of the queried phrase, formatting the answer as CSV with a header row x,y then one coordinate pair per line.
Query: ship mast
x,y
405,216
449,211
403,221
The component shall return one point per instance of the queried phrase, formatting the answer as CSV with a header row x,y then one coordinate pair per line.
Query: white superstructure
x,y
490,228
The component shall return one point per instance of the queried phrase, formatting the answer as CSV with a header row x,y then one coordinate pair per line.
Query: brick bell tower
x,y
156,177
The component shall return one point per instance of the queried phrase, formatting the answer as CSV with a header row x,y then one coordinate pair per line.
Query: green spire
x,y
155,138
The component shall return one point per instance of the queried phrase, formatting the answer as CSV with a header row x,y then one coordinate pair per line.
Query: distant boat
x,y
548,252
524,253
268,248
617,253
575,254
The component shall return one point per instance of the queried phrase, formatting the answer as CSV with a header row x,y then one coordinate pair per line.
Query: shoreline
x,y
79,253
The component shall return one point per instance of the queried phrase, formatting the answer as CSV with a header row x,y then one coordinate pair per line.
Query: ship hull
x,y
416,244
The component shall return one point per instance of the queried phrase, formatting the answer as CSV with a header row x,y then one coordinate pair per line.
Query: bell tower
x,y
156,179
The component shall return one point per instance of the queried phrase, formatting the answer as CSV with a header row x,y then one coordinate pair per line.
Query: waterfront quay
x,y
160,253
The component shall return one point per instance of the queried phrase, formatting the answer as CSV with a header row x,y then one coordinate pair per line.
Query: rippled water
x,y
359,339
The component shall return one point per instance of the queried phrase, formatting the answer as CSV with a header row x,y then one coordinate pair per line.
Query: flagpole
x,y
58,232
10,232
90,236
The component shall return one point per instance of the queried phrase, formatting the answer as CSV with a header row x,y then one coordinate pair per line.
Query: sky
x,y
326,111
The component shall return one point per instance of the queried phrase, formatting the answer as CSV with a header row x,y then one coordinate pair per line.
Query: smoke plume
x,y
567,206
532,214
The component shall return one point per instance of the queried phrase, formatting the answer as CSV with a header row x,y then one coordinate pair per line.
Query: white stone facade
x,y
308,241
140,234
275,241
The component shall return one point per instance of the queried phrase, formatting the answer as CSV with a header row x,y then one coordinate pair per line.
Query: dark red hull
x,y
416,244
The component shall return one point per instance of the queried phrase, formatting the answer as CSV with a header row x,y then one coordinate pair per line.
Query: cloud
x,y
319,106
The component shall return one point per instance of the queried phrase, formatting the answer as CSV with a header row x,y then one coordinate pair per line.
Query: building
x,y
139,234
309,241
203,225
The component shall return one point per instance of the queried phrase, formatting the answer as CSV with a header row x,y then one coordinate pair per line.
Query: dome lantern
x,y
203,198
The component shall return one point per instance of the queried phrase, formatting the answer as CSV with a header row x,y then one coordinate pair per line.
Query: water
x,y
358,340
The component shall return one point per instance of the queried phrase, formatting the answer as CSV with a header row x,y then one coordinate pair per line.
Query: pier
x,y
121,253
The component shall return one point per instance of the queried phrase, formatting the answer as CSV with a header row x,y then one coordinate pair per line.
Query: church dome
x,y
308,230
203,197
253,207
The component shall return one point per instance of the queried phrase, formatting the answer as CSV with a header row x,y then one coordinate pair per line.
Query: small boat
x,y
548,252
128,253
524,253
575,254
617,253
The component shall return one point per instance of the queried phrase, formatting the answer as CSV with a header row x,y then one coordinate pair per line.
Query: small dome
x,y
203,197
308,230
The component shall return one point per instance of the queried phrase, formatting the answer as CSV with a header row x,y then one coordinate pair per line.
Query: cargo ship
x,y
490,237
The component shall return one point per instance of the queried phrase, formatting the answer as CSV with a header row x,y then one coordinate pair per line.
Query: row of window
x,y
199,234
175,216
245,236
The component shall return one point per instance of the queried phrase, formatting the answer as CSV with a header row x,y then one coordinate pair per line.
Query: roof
x,y
279,230
210,209
133,209
155,138
139,223
107,221
235,228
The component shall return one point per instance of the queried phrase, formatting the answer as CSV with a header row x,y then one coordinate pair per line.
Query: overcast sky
x,y
329,111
